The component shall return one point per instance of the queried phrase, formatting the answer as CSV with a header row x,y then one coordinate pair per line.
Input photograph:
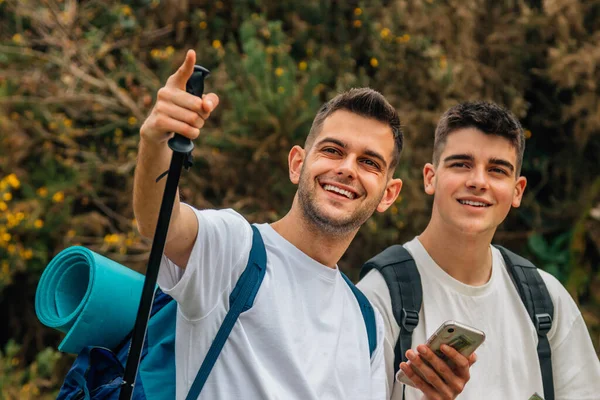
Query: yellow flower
x,y
216,44
3,206
132,121
385,32
126,10
53,126
13,181
11,249
155,53
357,23
67,122
42,192
17,38
58,197
203,25
7,196
374,62
71,233
281,90
38,223
118,132
6,237
170,50
27,254
357,11
403,39
527,133
302,65
278,71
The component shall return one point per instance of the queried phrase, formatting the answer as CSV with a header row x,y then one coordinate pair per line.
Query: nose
x,y
478,179
347,167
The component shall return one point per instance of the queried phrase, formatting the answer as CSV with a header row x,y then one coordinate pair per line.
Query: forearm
x,y
153,160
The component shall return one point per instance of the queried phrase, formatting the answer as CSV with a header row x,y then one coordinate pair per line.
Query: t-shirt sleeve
x,y
575,364
217,260
374,287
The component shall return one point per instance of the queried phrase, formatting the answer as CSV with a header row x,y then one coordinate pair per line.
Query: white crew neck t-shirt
x,y
507,364
304,338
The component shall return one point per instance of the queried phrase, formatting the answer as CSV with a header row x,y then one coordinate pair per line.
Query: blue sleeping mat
x,y
92,299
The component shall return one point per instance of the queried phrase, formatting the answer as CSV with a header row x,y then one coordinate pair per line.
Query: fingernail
x,y
209,103
410,355
422,350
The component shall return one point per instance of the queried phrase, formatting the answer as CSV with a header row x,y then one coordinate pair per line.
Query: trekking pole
x,y
182,158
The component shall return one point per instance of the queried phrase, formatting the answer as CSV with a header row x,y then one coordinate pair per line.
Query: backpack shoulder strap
x,y
367,312
240,300
401,275
536,298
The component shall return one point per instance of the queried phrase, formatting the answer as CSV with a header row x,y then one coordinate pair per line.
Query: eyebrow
x,y
469,157
343,145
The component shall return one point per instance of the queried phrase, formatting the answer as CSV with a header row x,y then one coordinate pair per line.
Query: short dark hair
x,y
487,117
367,103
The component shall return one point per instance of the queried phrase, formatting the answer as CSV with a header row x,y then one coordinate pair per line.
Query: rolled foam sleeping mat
x,y
91,298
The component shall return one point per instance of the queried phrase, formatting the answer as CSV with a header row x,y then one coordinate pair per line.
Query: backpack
x,y
97,372
400,273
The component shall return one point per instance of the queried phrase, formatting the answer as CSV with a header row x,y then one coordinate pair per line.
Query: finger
x,y
181,76
164,123
428,373
461,363
181,114
472,359
428,390
211,101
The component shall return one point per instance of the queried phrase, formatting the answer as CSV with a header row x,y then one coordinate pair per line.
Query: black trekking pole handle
x,y
182,148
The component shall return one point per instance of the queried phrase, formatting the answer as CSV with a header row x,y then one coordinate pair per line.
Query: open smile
x,y
339,191
472,203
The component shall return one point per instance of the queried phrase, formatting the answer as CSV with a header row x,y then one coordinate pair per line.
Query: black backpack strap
x,y
400,273
537,301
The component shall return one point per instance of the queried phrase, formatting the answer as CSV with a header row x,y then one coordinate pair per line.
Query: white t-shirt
x,y
507,365
304,338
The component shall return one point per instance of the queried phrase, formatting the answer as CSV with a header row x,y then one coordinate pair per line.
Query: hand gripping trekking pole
x,y
182,158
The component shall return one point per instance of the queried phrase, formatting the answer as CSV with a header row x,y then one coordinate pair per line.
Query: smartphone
x,y
461,337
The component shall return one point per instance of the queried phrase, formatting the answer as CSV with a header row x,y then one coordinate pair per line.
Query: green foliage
x,y
78,79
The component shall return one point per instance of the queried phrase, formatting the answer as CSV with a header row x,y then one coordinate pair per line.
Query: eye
x,y
370,163
499,171
331,150
459,165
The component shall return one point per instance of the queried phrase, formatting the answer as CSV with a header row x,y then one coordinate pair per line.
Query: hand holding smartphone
x,y
462,338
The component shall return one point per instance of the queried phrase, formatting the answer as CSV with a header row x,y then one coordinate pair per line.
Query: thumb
x,y
185,71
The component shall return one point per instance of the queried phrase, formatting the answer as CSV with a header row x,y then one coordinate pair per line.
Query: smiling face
x,y
474,183
344,176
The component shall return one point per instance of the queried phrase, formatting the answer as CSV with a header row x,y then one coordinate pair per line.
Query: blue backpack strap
x,y
401,275
240,300
367,312
536,298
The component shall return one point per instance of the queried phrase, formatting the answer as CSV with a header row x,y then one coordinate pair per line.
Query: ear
x,y
519,189
295,161
429,178
392,190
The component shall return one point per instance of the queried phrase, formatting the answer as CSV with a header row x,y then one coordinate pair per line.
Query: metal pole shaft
x,y
156,252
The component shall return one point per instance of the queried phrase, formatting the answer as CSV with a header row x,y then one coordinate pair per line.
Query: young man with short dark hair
x,y
305,336
475,180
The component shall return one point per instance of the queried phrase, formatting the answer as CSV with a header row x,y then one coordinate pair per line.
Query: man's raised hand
x,y
177,110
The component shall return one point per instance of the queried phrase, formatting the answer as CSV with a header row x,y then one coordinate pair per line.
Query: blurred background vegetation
x,y
77,78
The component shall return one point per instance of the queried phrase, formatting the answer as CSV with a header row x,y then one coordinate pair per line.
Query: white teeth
x,y
473,203
336,189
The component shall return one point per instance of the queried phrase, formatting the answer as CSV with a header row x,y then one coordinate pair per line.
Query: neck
x,y
322,247
465,257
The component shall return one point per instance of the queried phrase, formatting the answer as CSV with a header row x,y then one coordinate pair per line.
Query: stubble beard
x,y
324,223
